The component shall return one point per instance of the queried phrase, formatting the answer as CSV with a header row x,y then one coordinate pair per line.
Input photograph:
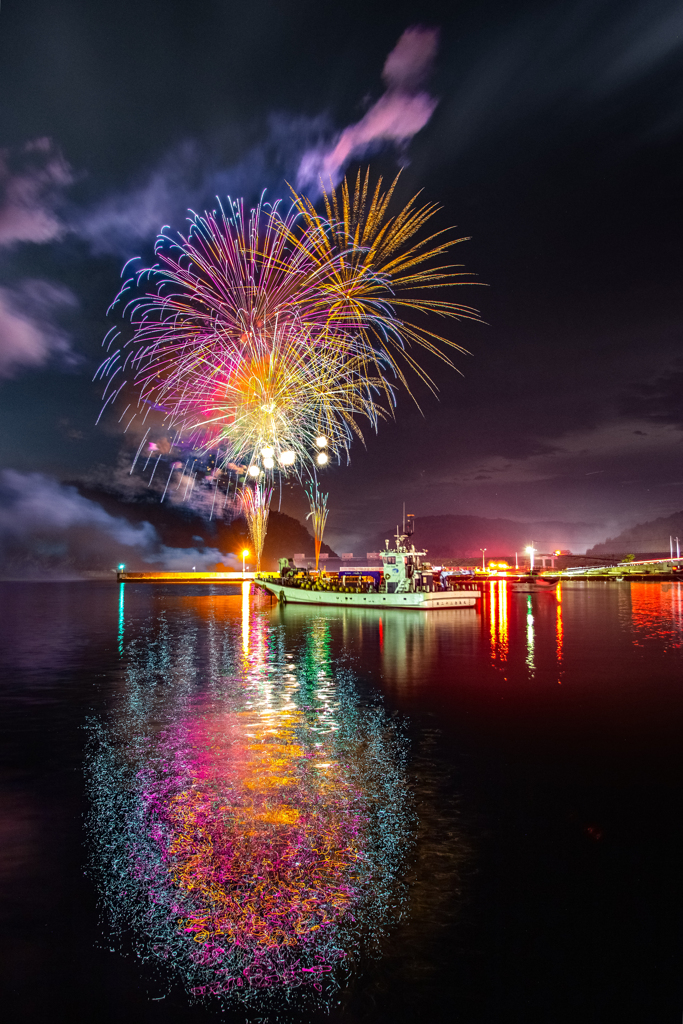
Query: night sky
x,y
556,144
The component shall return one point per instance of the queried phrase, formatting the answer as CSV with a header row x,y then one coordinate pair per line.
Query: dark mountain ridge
x,y
457,536
651,537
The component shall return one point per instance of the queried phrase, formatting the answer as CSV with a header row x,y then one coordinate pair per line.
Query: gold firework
x,y
375,268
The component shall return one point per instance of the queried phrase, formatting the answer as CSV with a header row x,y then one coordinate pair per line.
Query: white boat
x,y
532,583
403,583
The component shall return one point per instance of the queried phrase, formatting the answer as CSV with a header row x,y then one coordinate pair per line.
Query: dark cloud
x,y
659,400
566,63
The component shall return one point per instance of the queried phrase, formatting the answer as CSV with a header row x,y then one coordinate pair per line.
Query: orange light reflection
x,y
498,619
246,588
559,629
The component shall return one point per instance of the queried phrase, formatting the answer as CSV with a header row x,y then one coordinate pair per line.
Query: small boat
x,y
532,583
404,582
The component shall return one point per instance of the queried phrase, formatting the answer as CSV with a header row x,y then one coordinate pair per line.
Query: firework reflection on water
x,y
250,819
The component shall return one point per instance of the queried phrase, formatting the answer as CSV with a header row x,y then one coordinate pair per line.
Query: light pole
x,y
244,556
483,559
531,551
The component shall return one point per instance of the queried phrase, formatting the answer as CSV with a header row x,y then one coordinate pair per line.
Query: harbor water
x,y
216,807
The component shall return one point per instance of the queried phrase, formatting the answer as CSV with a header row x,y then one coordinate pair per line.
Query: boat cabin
x,y
404,572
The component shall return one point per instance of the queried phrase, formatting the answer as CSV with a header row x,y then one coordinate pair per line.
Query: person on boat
x,y
287,567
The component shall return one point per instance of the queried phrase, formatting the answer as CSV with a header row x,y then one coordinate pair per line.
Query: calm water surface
x,y
214,806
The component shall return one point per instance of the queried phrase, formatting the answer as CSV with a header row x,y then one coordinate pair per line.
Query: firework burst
x,y
256,335
267,397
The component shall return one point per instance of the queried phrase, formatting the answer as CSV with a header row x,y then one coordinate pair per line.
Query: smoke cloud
x,y
192,176
401,112
49,529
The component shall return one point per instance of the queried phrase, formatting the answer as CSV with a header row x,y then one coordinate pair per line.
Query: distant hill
x,y
180,527
454,536
645,537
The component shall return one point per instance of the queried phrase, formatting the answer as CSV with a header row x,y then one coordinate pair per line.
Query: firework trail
x,y
255,504
318,513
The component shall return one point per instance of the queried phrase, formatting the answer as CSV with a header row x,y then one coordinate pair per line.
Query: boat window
x,y
391,560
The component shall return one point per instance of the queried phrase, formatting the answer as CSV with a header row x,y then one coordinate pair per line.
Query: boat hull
x,y
430,601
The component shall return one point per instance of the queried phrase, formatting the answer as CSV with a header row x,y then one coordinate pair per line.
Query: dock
x,y
123,576
650,568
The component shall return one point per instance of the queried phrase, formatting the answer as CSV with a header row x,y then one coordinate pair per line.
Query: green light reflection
x,y
121,616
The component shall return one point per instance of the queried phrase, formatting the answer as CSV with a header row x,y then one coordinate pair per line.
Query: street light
x,y
483,559
531,551
245,554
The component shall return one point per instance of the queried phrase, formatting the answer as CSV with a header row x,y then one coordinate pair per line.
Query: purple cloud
x,y
401,112
27,336
411,59
31,181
